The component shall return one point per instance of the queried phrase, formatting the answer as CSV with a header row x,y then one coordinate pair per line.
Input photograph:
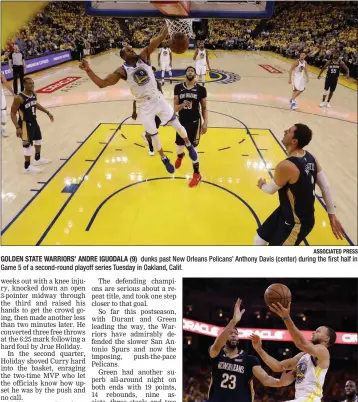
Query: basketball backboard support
x,y
199,9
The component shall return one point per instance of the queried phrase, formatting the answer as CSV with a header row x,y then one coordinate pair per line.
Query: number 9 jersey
x,y
231,378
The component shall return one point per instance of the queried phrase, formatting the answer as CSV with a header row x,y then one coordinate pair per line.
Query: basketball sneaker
x,y
293,105
322,104
41,161
195,180
170,168
4,132
192,153
328,104
178,162
151,153
32,169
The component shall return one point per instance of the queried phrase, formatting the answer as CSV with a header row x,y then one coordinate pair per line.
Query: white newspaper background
x,y
105,324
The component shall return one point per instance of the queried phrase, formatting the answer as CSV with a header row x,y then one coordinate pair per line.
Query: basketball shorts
x,y
200,69
193,130
330,85
277,231
165,66
30,131
299,84
147,111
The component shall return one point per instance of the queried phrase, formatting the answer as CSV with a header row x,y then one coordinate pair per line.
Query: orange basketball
x,y
278,292
179,43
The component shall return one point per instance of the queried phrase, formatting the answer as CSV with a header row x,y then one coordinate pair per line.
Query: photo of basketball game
x,y
179,123
239,348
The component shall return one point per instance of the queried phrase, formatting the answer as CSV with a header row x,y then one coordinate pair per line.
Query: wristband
x,y
286,318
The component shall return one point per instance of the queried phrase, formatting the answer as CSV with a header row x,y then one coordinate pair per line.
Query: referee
x,y
17,64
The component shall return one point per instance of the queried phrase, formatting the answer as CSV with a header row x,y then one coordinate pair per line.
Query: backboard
x,y
196,9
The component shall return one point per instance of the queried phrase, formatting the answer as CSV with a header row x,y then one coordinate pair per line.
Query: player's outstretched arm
x,y
111,79
222,338
327,195
286,379
275,365
155,42
319,351
6,84
195,54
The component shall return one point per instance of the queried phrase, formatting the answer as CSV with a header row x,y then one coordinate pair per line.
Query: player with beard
x,y
189,98
233,369
350,390
311,364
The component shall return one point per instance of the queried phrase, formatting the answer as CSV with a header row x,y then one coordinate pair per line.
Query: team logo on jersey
x,y
218,76
141,77
301,371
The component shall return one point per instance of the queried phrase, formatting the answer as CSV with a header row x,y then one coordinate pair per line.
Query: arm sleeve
x,y
326,192
270,188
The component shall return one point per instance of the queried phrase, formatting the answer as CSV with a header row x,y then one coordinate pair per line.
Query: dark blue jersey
x,y
297,200
231,378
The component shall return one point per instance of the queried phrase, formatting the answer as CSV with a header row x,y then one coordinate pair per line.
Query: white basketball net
x,y
180,25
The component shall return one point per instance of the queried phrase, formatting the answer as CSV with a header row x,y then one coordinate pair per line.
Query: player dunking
x,y
350,390
202,62
300,68
165,59
333,66
5,84
189,98
150,102
233,368
27,127
311,364
295,180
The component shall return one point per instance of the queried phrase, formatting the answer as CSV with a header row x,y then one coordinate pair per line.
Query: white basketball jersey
x,y
309,378
201,57
300,69
165,56
141,81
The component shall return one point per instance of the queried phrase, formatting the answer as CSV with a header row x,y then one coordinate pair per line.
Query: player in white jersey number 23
x,y
311,364
150,101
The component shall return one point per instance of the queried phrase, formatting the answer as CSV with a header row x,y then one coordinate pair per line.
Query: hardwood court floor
x,y
103,188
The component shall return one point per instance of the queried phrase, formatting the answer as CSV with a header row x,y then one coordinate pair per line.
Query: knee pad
x,y
156,141
180,149
325,92
27,148
37,142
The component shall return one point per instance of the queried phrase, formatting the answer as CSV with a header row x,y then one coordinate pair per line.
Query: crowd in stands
x,y
65,25
317,28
